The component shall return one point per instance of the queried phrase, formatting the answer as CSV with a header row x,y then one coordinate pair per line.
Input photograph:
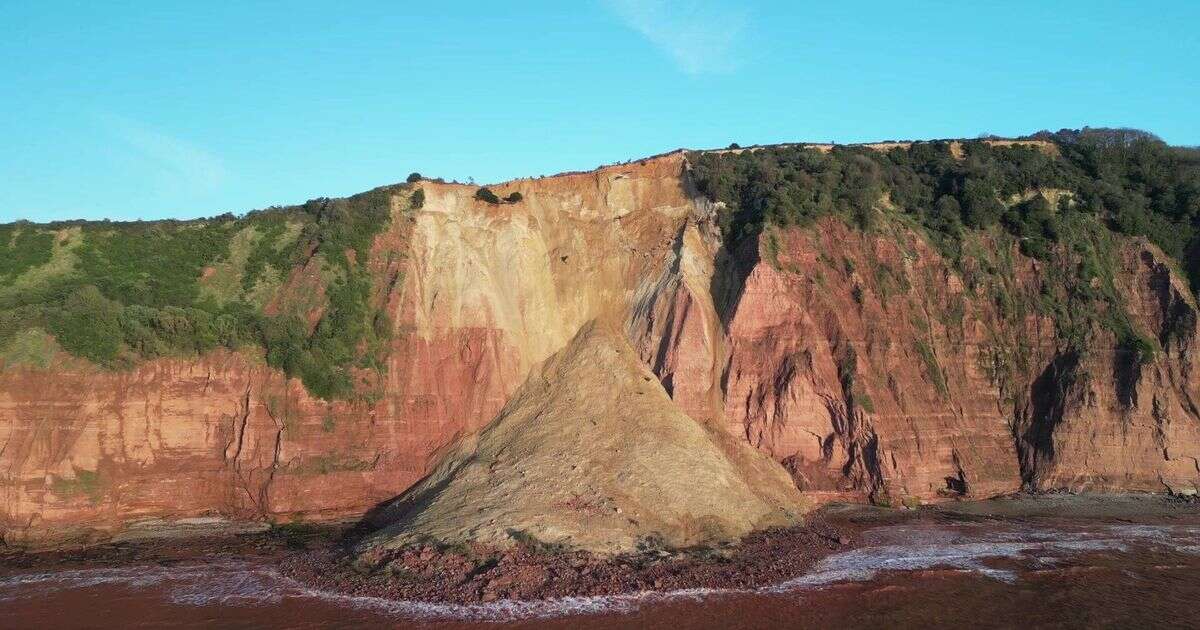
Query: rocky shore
x,y
479,573
318,556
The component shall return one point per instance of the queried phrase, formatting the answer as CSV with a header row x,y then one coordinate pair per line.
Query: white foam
x,y
511,610
242,586
141,576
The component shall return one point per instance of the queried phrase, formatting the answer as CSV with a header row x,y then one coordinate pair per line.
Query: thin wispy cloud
x,y
178,162
700,37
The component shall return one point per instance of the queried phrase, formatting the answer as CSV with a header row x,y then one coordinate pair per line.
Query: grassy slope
x,y
117,293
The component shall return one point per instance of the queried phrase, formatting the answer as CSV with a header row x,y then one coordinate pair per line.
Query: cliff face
x,y
864,363
478,294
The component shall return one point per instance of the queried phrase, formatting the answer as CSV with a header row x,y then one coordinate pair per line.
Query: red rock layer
x,y
863,363
478,294
946,395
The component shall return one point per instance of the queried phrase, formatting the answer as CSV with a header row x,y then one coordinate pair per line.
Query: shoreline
x,y
316,555
478,574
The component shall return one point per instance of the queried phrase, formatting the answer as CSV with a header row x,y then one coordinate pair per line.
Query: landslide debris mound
x,y
591,453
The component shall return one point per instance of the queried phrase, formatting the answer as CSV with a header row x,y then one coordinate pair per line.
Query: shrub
x,y
486,195
1140,349
88,325
154,264
413,178
23,247
417,200
515,197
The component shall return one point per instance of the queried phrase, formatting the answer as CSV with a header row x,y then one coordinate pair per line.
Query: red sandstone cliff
x,y
863,363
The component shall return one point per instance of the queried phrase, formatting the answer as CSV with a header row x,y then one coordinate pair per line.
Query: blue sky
x,y
131,110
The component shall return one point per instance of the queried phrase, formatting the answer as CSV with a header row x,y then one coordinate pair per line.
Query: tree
x,y
514,197
413,178
980,206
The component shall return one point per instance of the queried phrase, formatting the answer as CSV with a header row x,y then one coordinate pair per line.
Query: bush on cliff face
x,y
271,252
487,196
344,337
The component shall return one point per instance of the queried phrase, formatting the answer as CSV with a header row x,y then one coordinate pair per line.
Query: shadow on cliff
x,y
738,253
735,260
1050,395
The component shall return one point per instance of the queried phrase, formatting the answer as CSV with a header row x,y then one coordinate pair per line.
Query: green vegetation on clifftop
x,y
116,293
1062,202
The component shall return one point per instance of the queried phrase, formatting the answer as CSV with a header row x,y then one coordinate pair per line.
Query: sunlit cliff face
x,y
861,362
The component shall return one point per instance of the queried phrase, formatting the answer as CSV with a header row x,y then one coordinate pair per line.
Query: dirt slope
x,y
592,453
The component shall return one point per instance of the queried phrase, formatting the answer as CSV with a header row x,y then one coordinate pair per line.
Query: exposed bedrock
x,y
862,363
